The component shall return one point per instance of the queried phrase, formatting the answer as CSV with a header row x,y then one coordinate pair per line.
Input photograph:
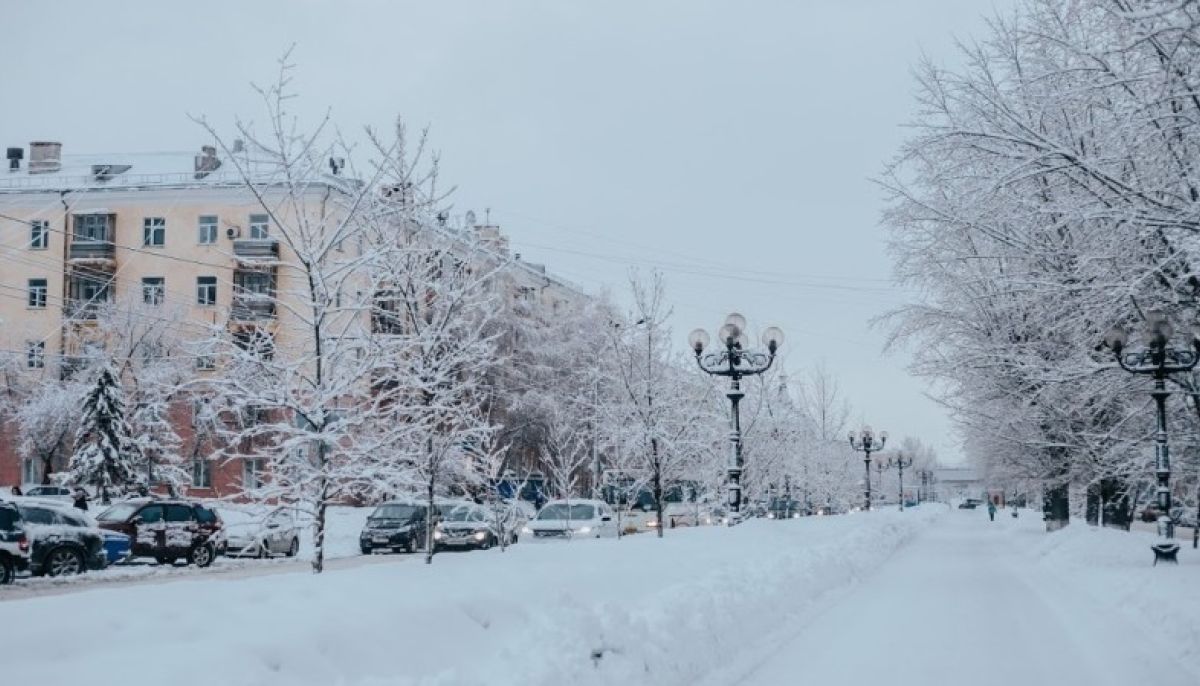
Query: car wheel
x,y
294,548
486,543
8,571
411,545
366,549
166,560
63,562
201,555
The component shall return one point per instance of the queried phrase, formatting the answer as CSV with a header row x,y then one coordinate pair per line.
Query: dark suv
x,y
62,540
14,545
394,526
168,530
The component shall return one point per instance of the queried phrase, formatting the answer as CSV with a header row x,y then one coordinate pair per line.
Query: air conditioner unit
x,y
233,232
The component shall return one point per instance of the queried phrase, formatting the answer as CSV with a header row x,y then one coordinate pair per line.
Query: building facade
x,y
165,240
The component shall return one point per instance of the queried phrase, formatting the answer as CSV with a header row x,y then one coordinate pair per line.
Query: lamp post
x,y
900,463
1158,359
866,442
880,468
733,358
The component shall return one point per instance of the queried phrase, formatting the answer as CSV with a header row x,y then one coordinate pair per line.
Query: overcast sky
x,y
729,144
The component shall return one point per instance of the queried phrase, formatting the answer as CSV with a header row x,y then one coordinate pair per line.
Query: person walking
x,y
991,510
16,490
81,499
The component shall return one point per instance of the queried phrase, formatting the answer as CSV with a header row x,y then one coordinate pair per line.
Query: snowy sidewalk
x,y
969,602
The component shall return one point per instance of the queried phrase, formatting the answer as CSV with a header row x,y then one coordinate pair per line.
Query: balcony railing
x,y
256,248
252,307
92,250
75,308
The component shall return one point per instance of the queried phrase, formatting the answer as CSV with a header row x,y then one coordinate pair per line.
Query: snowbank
x,y
1116,569
636,610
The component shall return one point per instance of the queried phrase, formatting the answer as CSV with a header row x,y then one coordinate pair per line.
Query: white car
x,y
250,534
59,493
567,519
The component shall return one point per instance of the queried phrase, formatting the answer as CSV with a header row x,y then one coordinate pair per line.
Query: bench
x,y
1167,552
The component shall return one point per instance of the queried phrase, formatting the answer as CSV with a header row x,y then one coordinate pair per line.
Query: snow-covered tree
x,y
105,455
46,421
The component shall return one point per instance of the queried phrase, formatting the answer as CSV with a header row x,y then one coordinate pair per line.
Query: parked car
x,y
62,540
14,544
61,493
256,535
969,504
465,526
395,526
783,508
117,546
168,529
567,519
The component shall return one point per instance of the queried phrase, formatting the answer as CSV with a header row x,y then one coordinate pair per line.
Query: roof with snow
x,y
148,170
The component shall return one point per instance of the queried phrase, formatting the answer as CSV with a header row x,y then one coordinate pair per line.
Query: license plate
x,y
379,539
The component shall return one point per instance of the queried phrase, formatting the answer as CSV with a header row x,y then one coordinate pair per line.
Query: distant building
x,y
952,483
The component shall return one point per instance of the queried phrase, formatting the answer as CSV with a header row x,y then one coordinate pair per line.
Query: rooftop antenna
x,y
487,213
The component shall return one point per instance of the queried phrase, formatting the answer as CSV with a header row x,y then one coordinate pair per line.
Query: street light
x,y
880,468
866,442
901,464
1157,358
733,358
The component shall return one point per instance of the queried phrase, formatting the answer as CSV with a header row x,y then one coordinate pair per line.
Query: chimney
x,y
45,157
15,155
206,161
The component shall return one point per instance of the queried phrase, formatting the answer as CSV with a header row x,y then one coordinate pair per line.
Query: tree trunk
x,y
429,520
318,563
658,489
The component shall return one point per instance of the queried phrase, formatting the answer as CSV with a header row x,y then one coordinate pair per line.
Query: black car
x,y
783,508
62,540
394,526
14,544
466,526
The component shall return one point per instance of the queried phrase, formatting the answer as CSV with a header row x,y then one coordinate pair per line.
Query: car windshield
x,y
561,511
119,512
395,512
464,514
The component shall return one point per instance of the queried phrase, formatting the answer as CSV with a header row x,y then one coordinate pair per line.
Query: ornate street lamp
x,y
1157,358
867,442
901,464
733,358
880,468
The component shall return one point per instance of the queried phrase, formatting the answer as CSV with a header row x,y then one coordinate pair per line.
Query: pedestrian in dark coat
x,y
81,499
991,511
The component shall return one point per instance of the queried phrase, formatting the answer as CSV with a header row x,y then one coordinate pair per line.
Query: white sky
x,y
730,144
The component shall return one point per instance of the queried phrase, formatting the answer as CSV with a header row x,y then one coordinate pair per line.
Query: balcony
x,y
83,309
82,249
251,307
256,248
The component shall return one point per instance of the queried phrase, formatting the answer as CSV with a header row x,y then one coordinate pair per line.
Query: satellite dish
x,y
470,218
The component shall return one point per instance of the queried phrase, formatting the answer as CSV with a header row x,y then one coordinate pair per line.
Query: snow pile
x,y
583,612
1116,568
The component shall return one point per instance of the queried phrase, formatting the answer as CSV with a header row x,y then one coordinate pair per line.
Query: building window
x,y
208,229
35,354
92,227
206,290
39,234
37,293
252,472
201,474
206,363
154,232
154,289
259,224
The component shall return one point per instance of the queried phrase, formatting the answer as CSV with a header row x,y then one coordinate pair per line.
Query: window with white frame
x,y
38,290
206,362
154,289
154,232
206,290
201,474
35,354
259,225
39,234
252,472
208,229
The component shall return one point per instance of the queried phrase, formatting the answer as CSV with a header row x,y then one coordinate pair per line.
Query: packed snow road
x,y
963,603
